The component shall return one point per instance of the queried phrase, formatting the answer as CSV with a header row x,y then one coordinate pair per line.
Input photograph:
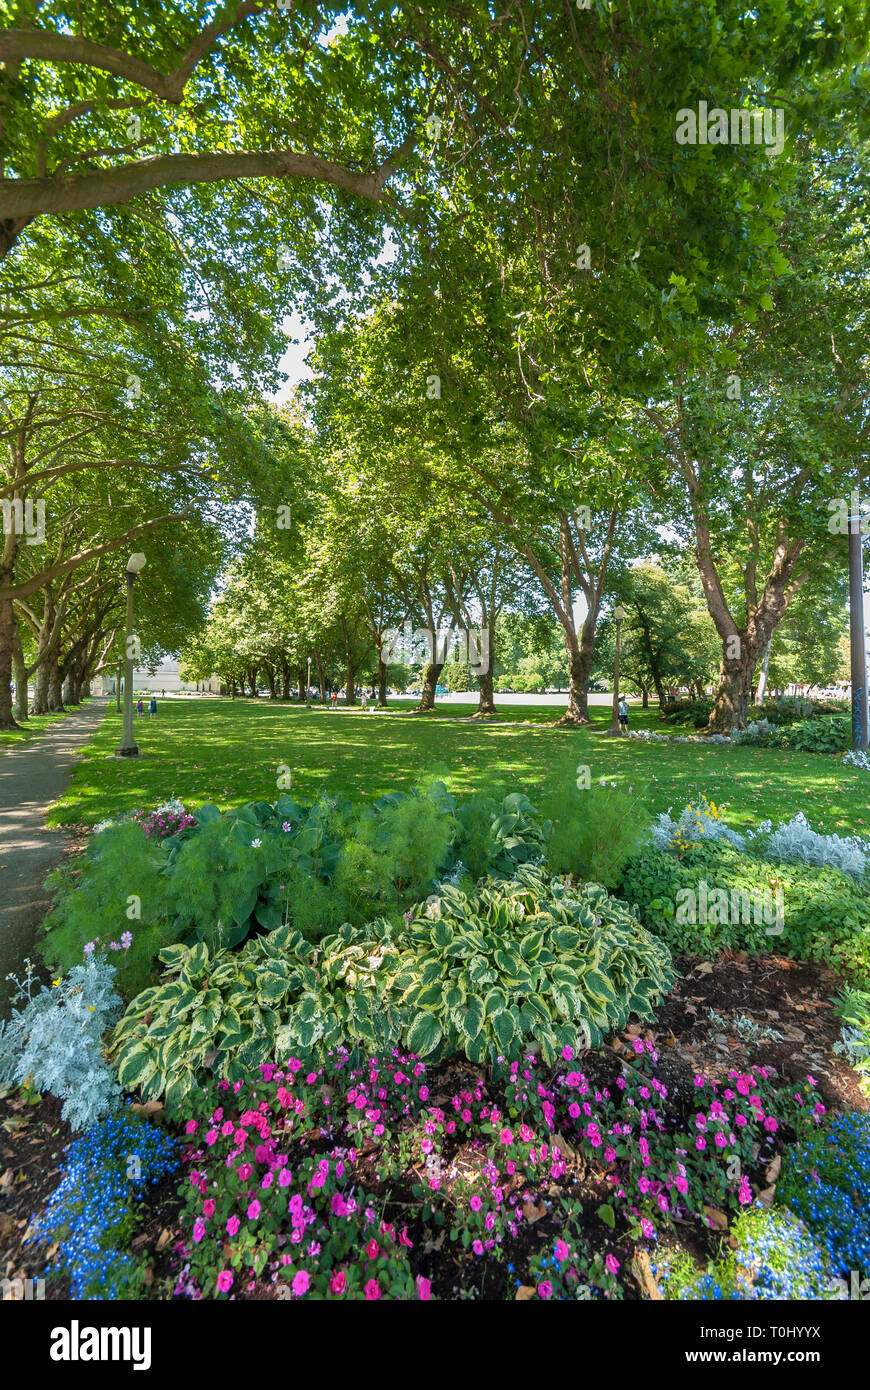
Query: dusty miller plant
x,y
55,1041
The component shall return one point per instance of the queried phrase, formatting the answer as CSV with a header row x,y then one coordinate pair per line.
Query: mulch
x,y
767,1010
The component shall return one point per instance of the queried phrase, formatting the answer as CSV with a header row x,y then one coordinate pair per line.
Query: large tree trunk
x,y
731,704
761,688
431,676
55,692
303,692
486,699
382,684
7,638
19,667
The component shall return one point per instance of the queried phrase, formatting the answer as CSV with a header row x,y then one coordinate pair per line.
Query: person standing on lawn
x,y
140,709
152,707
622,709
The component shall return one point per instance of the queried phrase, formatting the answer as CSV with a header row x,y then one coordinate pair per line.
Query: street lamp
x,y
618,614
856,631
128,748
308,684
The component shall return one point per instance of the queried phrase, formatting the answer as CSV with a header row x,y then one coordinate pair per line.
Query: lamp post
x,y
618,614
857,635
128,748
308,685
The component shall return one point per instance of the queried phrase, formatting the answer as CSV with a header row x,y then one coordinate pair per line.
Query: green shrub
x,y
832,735
593,831
122,872
395,850
523,961
254,867
826,915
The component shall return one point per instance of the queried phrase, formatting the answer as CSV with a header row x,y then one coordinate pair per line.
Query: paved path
x,y
32,776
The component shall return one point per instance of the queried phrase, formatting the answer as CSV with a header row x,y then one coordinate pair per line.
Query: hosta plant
x,y
523,961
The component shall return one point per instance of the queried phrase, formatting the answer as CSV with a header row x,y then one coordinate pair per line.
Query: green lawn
x,y
33,726
229,752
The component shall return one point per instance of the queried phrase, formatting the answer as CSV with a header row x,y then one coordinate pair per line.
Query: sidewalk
x,y
32,776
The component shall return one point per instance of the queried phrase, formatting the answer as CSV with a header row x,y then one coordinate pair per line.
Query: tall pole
x,y
118,686
308,686
857,634
619,614
128,748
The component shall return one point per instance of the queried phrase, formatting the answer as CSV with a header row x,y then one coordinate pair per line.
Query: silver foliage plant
x,y
56,1041
795,842
790,842
694,823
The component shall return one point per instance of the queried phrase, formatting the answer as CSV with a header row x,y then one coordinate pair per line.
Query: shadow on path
x,y
32,776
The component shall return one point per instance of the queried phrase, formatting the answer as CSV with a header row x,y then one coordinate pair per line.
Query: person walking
x,y
622,709
364,701
152,707
140,709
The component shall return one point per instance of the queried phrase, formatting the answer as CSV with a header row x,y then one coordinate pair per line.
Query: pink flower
x,y
208,1207
744,1196
338,1282
475,1203
211,1137
612,1263
373,1249
300,1283
506,1137
254,1211
545,1289
245,1171
225,1281
190,1127
233,1225
372,1290
424,1287
562,1251
198,1230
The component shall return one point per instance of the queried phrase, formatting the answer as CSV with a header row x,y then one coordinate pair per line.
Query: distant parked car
x,y
441,690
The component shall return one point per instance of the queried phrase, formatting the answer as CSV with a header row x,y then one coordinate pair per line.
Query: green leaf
x,y
424,1034
607,1215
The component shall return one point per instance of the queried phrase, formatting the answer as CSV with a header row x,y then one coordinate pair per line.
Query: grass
x,y
229,752
36,724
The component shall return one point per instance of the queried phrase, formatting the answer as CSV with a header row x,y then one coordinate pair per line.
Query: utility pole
x,y
128,747
857,634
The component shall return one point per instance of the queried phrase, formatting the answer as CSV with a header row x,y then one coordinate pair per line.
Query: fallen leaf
x,y
148,1107
690,1009
717,1219
766,1197
8,1177
148,1275
532,1213
524,1293
772,1170
163,1240
704,968
565,1149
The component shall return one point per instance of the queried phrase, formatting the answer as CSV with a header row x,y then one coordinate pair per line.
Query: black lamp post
x,y
128,747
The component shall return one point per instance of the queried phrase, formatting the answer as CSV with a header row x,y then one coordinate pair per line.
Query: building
x,y
164,676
